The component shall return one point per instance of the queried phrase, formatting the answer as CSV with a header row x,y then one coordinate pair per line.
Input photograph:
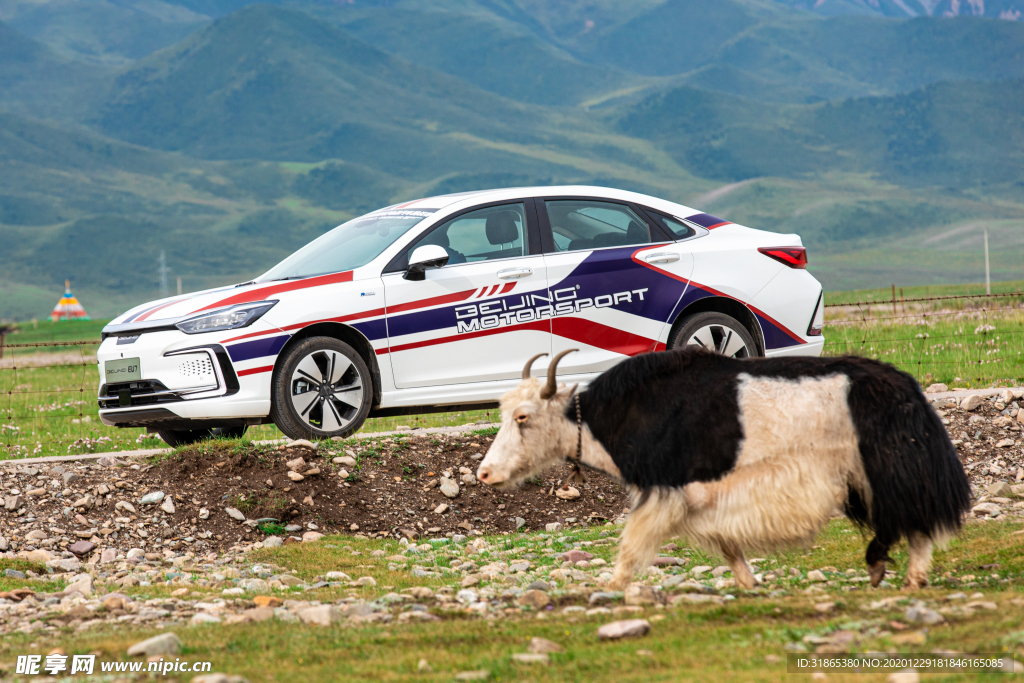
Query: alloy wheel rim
x,y
326,391
720,339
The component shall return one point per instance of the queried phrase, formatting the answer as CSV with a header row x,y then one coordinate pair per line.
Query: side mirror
x,y
427,256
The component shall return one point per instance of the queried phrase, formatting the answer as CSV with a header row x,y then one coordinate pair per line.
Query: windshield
x,y
348,246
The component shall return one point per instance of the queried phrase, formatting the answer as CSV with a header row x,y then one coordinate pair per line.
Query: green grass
x,y
727,642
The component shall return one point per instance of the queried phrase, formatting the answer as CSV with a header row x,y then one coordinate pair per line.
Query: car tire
x,y
340,380
716,332
184,437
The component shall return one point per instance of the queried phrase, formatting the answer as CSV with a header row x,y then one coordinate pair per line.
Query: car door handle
x,y
661,257
516,273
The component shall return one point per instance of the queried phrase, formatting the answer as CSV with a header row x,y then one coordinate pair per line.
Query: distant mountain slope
x,y
995,9
776,53
275,83
487,50
34,80
949,134
105,31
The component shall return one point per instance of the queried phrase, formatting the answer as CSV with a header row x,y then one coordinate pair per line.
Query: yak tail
x,y
918,484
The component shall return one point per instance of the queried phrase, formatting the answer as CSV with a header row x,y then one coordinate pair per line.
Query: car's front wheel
x,y
716,332
321,388
184,437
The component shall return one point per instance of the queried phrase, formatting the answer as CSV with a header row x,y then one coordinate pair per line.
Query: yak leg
x,y
920,561
876,557
648,525
741,570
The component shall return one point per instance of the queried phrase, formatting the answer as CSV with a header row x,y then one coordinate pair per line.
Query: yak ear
x,y
566,394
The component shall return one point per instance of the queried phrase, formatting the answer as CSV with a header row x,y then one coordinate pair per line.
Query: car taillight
x,y
794,257
818,319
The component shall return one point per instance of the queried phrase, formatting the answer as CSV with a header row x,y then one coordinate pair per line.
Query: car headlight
x,y
232,318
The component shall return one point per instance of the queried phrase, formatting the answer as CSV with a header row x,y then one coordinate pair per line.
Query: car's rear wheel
x,y
716,332
184,437
321,388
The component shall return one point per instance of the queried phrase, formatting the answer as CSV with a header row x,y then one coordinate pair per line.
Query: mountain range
x,y
227,133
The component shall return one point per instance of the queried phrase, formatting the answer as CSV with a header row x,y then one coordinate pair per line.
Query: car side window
x,y
674,226
589,224
496,232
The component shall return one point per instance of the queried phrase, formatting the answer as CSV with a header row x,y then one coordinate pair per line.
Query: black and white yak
x,y
746,455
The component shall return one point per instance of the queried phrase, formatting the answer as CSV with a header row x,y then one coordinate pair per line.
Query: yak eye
x,y
521,418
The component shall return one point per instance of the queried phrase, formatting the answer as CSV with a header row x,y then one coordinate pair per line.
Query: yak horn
x,y
529,364
552,386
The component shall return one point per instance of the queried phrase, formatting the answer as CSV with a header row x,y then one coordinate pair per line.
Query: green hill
x,y
964,135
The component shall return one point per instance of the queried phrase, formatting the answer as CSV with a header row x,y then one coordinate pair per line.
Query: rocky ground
x,y
188,521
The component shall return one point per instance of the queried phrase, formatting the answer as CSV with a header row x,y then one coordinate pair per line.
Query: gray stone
x,y
235,514
14,574
936,388
311,536
136,554
449,488
628,628
603,597
972,402
71,477
531,658
520,523
539,585
345,460
986,509
163,644
151,498
337,576
553,527
71,564
168,505
816,576
80,584
321,615
272,542
921,614
4,545
639,594
108,556
254,585
1000,488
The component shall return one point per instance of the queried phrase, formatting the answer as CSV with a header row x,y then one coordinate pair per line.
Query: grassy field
x,y
48,401
746,639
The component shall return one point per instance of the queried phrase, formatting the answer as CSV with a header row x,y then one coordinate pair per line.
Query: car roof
x,y
498,194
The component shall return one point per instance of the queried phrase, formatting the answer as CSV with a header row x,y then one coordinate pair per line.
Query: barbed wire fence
x,y
49,407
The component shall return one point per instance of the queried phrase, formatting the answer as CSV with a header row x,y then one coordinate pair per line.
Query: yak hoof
x,y
877,572
915,583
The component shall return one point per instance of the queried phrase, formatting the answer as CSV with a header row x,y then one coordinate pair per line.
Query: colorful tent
x,y
68,307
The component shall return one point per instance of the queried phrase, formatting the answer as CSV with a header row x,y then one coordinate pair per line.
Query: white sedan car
x,y
435,304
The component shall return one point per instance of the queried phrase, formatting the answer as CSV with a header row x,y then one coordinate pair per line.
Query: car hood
x,y
166,312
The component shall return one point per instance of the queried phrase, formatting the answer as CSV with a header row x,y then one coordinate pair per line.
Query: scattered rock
x,y
936,388
235,514
544,646
345,461
168,505
535,599
567,493
576,556
321,615
923,615
816,576
972,402
449,488
481,675
1000,488
81,548
629,628
152,498
295,476
296,465
272,542
311,536
441,509
163,644
553,527
80,584
531,658
639,594
986,509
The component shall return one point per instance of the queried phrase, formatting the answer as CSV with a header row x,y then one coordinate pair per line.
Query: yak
x,y
745,455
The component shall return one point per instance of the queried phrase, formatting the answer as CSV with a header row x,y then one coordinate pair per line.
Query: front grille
x,y
144,392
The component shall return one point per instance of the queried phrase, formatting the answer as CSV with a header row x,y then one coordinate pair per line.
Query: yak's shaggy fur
x,y
750,454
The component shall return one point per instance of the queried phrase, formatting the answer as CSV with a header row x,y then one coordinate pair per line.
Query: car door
x,y
615,276
474,319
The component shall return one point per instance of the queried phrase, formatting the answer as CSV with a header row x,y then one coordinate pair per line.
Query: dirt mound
x,y
393,487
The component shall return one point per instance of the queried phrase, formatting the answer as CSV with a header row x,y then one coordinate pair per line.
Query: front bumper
x,y
185,380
